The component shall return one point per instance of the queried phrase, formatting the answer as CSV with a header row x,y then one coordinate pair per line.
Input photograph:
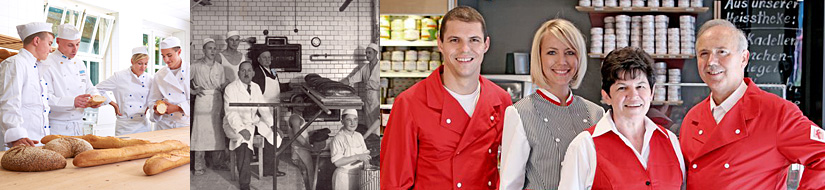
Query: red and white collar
x,y
553,99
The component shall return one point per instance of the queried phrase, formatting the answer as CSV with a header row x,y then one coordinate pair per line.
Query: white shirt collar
x,y
607,124
728,103
552,96
28,56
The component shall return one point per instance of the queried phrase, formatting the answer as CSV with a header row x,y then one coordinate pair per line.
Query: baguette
x,y
166,161
161,107
100,142
25,158
108,156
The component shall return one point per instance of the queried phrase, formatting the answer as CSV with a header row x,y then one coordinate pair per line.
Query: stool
x,y
258,142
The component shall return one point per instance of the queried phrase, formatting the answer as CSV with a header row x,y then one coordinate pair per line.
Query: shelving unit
x,y
396,43
655,56
642,9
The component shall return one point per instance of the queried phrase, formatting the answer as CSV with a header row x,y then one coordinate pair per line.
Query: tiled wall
x,y
340,32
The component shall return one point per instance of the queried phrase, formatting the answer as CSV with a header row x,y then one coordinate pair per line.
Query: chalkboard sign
x,y
774,32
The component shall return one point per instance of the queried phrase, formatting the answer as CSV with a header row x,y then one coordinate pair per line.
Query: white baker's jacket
x,y
249,118
23,103
131,92
174,88
68,78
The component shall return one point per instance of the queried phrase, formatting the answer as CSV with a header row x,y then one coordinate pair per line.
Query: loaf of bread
x,y
96,100
4,54
24,158
108,156
100,142
68,147
161,106
166,161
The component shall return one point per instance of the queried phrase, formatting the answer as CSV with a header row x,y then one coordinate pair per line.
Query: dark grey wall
x,y
511,25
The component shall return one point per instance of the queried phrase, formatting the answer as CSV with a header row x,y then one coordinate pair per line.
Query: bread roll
x,y
107,156
68,147
24,158
166,161
100,142
4,54
161,106
96,100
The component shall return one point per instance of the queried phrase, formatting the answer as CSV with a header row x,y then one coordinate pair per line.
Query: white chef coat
x,y
69,79
249,118
131,92
172,86
24,106
579,166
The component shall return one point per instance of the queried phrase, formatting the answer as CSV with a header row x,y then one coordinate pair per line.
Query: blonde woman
x,y
131,92
538,128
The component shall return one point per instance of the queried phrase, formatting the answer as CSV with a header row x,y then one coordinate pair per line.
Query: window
x,y
95,29
152,39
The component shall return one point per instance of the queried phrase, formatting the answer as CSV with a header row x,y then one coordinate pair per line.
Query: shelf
x,y
404,74
388,43
522,78
642,9
655,56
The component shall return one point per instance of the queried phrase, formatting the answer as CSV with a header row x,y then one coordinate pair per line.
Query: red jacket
x,y
431,143
618,168
752,146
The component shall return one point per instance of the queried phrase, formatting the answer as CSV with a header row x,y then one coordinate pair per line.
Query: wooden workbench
x,y
121,175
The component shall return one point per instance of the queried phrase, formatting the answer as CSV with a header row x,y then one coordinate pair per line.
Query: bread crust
x,y
24,158
107,156
100,142
166,161
68,147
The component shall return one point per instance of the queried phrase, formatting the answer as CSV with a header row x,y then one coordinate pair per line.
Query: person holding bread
x,y
131,93
170,89
69,85
241,124
23,107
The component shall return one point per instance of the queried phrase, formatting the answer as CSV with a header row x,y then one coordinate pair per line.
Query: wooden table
x,y
121,175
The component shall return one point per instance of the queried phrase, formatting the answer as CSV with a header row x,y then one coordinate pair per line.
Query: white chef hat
x,y
373,46
26,30
68,31
207,40
349,111
170,42
233,33
140,50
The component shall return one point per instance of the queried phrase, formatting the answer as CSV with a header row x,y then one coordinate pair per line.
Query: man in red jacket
x,y
445,131
742,137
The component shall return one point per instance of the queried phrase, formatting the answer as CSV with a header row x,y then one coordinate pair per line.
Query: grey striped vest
x,y
549,129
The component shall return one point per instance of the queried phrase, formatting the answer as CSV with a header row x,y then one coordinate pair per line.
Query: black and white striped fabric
x,y
549,129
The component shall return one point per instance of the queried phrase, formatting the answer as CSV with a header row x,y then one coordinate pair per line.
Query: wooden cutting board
x,y
121,175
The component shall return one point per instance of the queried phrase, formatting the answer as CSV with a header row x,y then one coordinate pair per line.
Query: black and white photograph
x,y
285,94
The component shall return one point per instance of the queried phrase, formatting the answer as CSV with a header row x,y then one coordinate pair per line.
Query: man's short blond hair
x,y
566,32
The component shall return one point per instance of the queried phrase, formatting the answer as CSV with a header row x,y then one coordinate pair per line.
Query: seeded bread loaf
x,y
24,158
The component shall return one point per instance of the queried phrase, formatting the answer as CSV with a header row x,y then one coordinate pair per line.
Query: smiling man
x,y
172,86
742,137
445,131
71,85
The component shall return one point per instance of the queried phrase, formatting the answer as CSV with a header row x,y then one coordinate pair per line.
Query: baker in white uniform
x,y
23,102
70,86
131,92
171,84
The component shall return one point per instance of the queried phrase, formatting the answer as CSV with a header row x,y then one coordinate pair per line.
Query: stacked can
x,y
674,93
696,3
597,3
673,41
410,58
653,3
423,63
397,29
435,59
612,3
638,3
661,34
622,3
585,3
668,3
636,31
684,3
660,74
385,27
648,32
429,28
596,40
412,28
687,24
609,34
398,58
622,31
